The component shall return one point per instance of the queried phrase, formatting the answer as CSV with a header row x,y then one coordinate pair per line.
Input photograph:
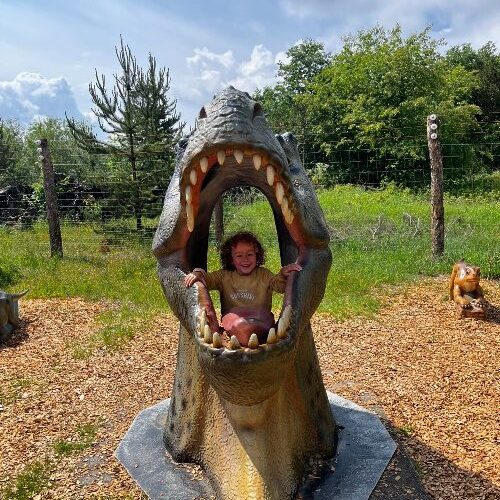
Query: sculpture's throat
x,y
250,416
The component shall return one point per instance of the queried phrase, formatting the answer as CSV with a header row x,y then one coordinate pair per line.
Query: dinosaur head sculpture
x,y
250,417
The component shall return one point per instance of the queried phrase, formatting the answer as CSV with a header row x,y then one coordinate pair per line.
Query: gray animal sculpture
x,y
252,417
9,313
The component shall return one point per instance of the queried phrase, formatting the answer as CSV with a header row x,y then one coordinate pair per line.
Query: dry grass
x,y
432,377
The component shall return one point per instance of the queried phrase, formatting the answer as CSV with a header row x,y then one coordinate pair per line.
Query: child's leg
x,y
242,322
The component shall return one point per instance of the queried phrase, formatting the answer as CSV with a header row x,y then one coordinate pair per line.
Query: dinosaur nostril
x,y
202,113
257,110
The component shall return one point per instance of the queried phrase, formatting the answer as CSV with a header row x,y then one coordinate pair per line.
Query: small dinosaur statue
x,y
466,291
9,313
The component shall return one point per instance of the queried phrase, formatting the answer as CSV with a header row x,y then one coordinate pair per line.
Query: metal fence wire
x,y
98,199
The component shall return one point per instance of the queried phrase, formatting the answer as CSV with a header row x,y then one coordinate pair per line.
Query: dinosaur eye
x,y
257,110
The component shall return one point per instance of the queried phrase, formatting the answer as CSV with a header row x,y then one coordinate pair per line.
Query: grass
x,y
379,238
13,392
117,325
86,435
35,477
31,481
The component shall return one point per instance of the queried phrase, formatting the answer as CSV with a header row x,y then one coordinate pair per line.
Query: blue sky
x,y
50,50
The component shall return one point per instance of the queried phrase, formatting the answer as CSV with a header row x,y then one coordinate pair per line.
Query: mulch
x,y
433,379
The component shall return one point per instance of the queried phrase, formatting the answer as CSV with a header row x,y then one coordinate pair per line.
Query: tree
x,y
369,105
142,125
485,63
284,109
10,151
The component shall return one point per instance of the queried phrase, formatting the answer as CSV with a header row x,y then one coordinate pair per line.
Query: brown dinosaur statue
x,y
251,417
466,291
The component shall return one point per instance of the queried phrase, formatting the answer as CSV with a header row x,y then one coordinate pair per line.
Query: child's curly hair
x,y
225,250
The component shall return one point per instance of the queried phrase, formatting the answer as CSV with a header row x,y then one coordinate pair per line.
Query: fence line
x,y
95,192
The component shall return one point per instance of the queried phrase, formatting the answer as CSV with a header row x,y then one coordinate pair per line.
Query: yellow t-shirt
x,y
254,290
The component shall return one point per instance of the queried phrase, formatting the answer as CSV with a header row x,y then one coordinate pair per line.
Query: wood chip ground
x,y
433,378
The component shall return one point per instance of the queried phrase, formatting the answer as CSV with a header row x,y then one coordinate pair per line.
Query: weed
x,y
86,436
15,390
406,430
31,481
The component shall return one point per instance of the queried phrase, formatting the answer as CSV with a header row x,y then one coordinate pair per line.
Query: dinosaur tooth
x,y
285,317
189,194
289,217
280,192
203,315
282,329
271,336
221,156
270,172
284,205
207,335
238,155
234,344
203,322
204,164
253,341
288,312
193,177
190,217
217,340
257,161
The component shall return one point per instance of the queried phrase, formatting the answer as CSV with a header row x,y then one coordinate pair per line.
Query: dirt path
x,y
433,378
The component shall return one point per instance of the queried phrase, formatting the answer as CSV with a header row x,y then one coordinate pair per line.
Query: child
x,y
245,287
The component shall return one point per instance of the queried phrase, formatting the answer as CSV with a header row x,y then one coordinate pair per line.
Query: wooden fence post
x,y
436,159
50,198
219,221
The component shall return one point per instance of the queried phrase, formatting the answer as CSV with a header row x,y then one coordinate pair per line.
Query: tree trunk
x,y
136,190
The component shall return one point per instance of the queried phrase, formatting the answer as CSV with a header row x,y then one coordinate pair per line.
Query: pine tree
x,y
141,122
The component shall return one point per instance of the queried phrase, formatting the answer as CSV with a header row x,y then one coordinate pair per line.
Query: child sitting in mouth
x,y
245,287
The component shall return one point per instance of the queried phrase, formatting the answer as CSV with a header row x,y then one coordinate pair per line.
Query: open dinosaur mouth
x,y
232,146
203,181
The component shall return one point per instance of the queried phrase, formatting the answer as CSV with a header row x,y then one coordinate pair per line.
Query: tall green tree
x,y
284,108
142,126
370,103
485,63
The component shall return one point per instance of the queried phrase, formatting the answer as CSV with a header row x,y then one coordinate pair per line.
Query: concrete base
x,y
364,449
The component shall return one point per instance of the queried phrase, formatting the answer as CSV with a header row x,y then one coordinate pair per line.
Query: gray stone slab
x,y
364,449
143,454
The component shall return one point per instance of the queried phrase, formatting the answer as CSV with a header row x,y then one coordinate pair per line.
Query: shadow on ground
x,y
408,478
19,336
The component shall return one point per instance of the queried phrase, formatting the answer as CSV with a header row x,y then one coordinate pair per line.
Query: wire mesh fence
x,y
104,208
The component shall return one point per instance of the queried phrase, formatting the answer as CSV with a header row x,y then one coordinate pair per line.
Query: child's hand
x,y
190,279
194,276
289,269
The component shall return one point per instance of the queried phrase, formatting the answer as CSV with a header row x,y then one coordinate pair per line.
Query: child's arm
x,y
289,269
197,274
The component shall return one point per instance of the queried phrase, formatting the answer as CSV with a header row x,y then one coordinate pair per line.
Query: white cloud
x,y
30,96
260,60
208,72
258,71
204,56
